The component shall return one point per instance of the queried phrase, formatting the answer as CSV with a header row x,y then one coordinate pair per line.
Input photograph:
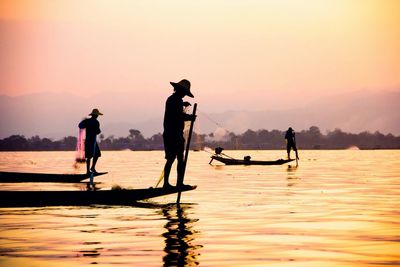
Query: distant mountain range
x,y
56,115
355,112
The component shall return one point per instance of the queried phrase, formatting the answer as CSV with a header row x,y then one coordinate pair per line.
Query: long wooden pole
x,y
94,153
187,150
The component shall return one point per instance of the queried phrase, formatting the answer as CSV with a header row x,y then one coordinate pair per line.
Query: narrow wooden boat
x,y
83,198
232,161
24,177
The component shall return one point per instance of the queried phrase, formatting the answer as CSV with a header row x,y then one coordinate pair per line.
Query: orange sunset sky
x,y
250,54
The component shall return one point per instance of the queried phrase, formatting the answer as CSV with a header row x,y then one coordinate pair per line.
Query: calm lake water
x,y
337,208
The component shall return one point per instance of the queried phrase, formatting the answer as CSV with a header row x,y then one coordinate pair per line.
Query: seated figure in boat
x,y
92,150
218,150
290,137
246,158
174,122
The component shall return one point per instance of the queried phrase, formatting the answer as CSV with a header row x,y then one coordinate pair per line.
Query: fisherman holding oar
x,y
174,123
290,137
92,149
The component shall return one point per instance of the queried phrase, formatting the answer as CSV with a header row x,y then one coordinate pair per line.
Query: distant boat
x,y
232,161
84,198
24,177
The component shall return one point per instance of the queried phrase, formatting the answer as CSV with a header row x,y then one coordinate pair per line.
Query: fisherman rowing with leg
x,y
174,123
290,137
92,149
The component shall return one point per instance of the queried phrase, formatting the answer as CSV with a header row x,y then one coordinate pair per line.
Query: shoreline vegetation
x,y
249,140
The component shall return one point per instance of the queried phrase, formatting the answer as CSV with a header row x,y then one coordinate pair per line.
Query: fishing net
x,y
187,126
80,147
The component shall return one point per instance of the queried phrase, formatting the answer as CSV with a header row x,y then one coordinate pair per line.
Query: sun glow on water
x,y
337,208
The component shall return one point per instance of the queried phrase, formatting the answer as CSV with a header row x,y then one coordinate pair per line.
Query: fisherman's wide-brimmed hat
x,y
95,111
183,85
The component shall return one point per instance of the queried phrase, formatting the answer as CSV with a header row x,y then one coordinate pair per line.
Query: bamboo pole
x,y
187,151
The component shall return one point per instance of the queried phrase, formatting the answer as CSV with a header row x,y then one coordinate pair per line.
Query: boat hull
x,y
83,198
228,161
23,177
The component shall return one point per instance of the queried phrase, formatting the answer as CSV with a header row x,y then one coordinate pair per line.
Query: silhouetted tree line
x,y
309,139
261,139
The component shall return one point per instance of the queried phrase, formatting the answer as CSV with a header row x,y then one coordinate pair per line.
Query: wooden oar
x,y
297,154
161,177
187,151
92,172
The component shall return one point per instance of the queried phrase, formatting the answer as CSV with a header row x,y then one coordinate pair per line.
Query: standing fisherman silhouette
x,y
174,123
92,149
290,137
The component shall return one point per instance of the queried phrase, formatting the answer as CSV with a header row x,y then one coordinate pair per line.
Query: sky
x,y
238,54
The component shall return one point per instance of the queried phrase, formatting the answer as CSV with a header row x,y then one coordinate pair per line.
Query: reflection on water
x,y
92,252
292,177
337,208
179,237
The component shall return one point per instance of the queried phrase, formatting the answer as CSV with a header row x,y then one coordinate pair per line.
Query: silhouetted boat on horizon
x,y
232,161
228,160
